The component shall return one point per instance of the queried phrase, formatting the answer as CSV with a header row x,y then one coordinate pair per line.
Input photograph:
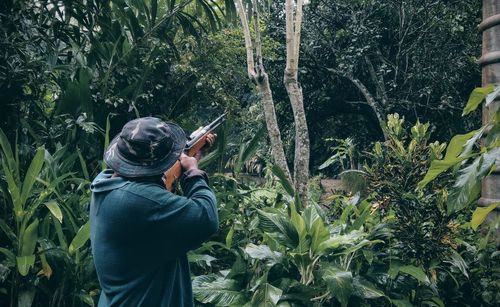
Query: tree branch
x,y
248,39
297,31
290,43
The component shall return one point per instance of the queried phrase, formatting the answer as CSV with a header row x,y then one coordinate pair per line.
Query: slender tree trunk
x,y
259,77
490,64
379,82
302,151
272,123
294,90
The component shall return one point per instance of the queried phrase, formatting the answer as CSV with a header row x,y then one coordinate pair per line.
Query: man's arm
x,y
191,219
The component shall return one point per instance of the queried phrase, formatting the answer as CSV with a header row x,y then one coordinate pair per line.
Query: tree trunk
x,y
259,77
302,151
490,63
294,90
272,123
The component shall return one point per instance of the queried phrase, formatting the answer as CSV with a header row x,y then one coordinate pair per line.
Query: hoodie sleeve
x,y
191,219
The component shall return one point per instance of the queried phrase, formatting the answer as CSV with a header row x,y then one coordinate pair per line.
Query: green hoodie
x,y
140,234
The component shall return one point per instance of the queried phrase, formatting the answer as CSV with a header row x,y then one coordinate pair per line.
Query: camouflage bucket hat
x,y
145,147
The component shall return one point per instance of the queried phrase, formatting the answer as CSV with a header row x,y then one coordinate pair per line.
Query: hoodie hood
x,y
105,182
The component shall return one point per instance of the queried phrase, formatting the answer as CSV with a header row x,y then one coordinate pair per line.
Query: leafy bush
x,y
42,232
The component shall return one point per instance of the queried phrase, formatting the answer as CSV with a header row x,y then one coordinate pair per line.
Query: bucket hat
x,y
145,147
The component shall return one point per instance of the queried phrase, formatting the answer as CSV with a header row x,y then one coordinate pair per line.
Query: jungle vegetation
x,y
384,95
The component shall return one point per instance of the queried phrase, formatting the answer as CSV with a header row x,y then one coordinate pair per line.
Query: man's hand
x,y
188,163
211,138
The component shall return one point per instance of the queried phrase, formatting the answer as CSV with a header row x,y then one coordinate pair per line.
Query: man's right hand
x,y
188,163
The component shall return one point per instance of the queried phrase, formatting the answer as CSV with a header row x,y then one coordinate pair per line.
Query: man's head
x,y
146,147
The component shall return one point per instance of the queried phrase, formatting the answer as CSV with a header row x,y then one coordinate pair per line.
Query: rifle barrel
x,y
210,127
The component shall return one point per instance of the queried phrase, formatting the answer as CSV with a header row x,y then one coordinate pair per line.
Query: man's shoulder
x,y
147,190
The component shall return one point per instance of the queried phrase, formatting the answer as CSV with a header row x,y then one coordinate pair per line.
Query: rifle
x,y
196,141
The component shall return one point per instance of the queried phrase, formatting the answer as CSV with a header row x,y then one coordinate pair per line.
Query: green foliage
x,y
66,71
211,289
248,149
476,98
471,163
398,164
39,206
292,257
339,283
422,229
345,150
480,214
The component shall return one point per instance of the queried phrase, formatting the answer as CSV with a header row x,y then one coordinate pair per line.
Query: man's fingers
x,y
211,138
187,162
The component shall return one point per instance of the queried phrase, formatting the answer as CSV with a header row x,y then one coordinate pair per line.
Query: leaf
x,y
492,96
473,140
9,254
480,214
436,300
360,245
239,268
329,161
416,272
30,236
229,237
83,164
300,227
32,173
274,223
337,241
266,296
401,303
457,261
13,188
365,289
278,172
361,219
134,25
456,146
46,269
438,167
81,237
468,184
210,13
55,210
262,252
319,234
8,155
76,97
248,149
25,263
106,140
476,97
26,297
87,299
212,289
201,259
7,231
339,283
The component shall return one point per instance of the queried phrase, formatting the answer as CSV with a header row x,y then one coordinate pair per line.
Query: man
x,y
140,232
